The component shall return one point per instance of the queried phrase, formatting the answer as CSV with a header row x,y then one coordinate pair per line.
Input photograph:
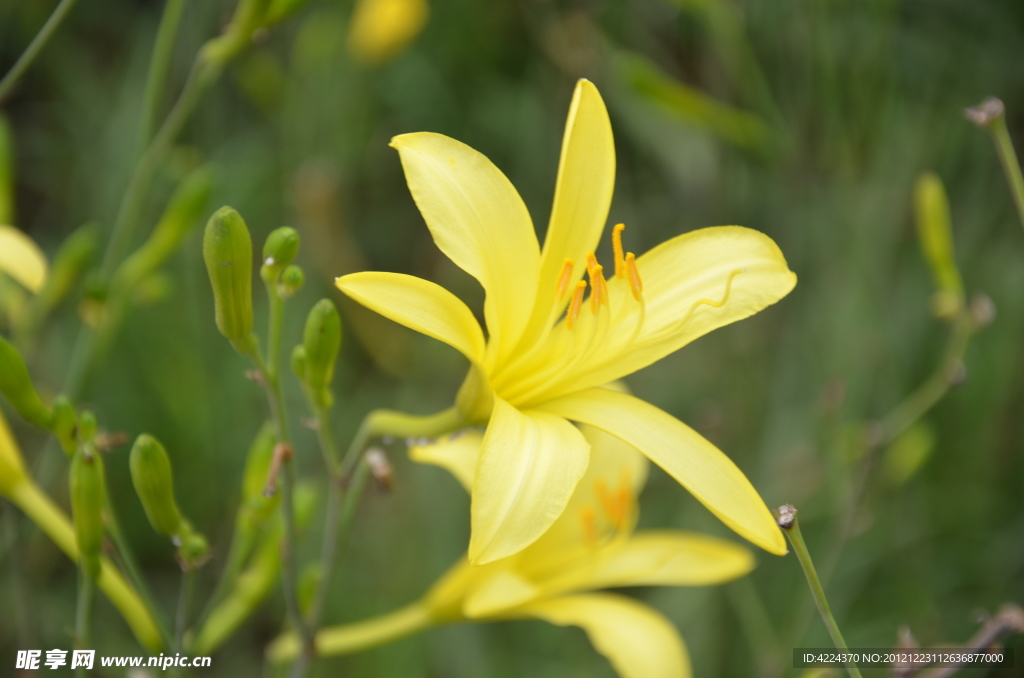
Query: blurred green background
x,y
809,120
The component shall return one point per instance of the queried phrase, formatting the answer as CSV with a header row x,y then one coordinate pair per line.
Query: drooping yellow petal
x,y
380,29
479,221
456,453
671,558
21,258
583,194
692,284
638,640
529,466
420,305
687,456
497,593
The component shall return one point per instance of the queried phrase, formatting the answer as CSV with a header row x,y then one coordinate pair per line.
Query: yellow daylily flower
x,y
592,546
546,357
21,258
380,29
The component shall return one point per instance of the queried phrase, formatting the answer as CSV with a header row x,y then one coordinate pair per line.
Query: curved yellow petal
x,y
419,305
496,593
583,194
671,558
692,284
479,221
21,258
637,639
687,456
529,466
456,453
380,29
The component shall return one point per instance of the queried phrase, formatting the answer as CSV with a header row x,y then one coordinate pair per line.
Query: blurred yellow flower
x,y
380,29
591,546
540,367
21,259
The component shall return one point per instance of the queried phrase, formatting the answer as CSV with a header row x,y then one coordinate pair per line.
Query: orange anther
x,y
589,519
564,277
576,304
620,268
635,283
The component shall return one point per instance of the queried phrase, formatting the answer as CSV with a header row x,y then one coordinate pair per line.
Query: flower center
x,y
613,514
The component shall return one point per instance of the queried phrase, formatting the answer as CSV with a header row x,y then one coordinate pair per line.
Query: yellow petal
x,y
502,590
583,194
692,284
12,468
672,558
420,305
456,453
479,221
21,258
687,456
380,29
638,640
529,466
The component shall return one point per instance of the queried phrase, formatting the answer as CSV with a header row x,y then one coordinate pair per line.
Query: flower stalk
x,y
787,520
35,47
991,115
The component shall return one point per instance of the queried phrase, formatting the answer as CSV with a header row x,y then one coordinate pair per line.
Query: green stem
x,y
83,614
181,618
792,530
159,68
1008,158
361,635
35,47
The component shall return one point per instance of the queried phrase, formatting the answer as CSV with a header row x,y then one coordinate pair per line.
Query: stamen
x,y
599,291
636,284
564,277
620,268
589,519
576,304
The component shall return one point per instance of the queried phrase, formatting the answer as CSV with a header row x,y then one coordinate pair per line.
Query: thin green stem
x,y
159,68
1008,159
791,526
35,47
83,613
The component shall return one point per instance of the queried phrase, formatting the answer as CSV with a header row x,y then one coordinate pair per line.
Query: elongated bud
x,y
69,264
936,238
86,489
299,362
151,476
65,425
227,249
16,385
183,211
322,341
6,173
87,427
279,251
256,507
291,281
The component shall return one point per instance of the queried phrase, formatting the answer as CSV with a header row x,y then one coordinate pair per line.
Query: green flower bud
x,y
322,340
193,549
87,427
299,362
309,580
291,282
227,249
279,252
16,385
69,264
936,237
65,424
184,209
154,483
86,486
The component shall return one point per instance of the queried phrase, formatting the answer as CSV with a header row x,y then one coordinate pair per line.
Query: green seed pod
x,y
291,282
279,252
65,424
86,485
322,340
184,209
16,385
227,249
154,483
